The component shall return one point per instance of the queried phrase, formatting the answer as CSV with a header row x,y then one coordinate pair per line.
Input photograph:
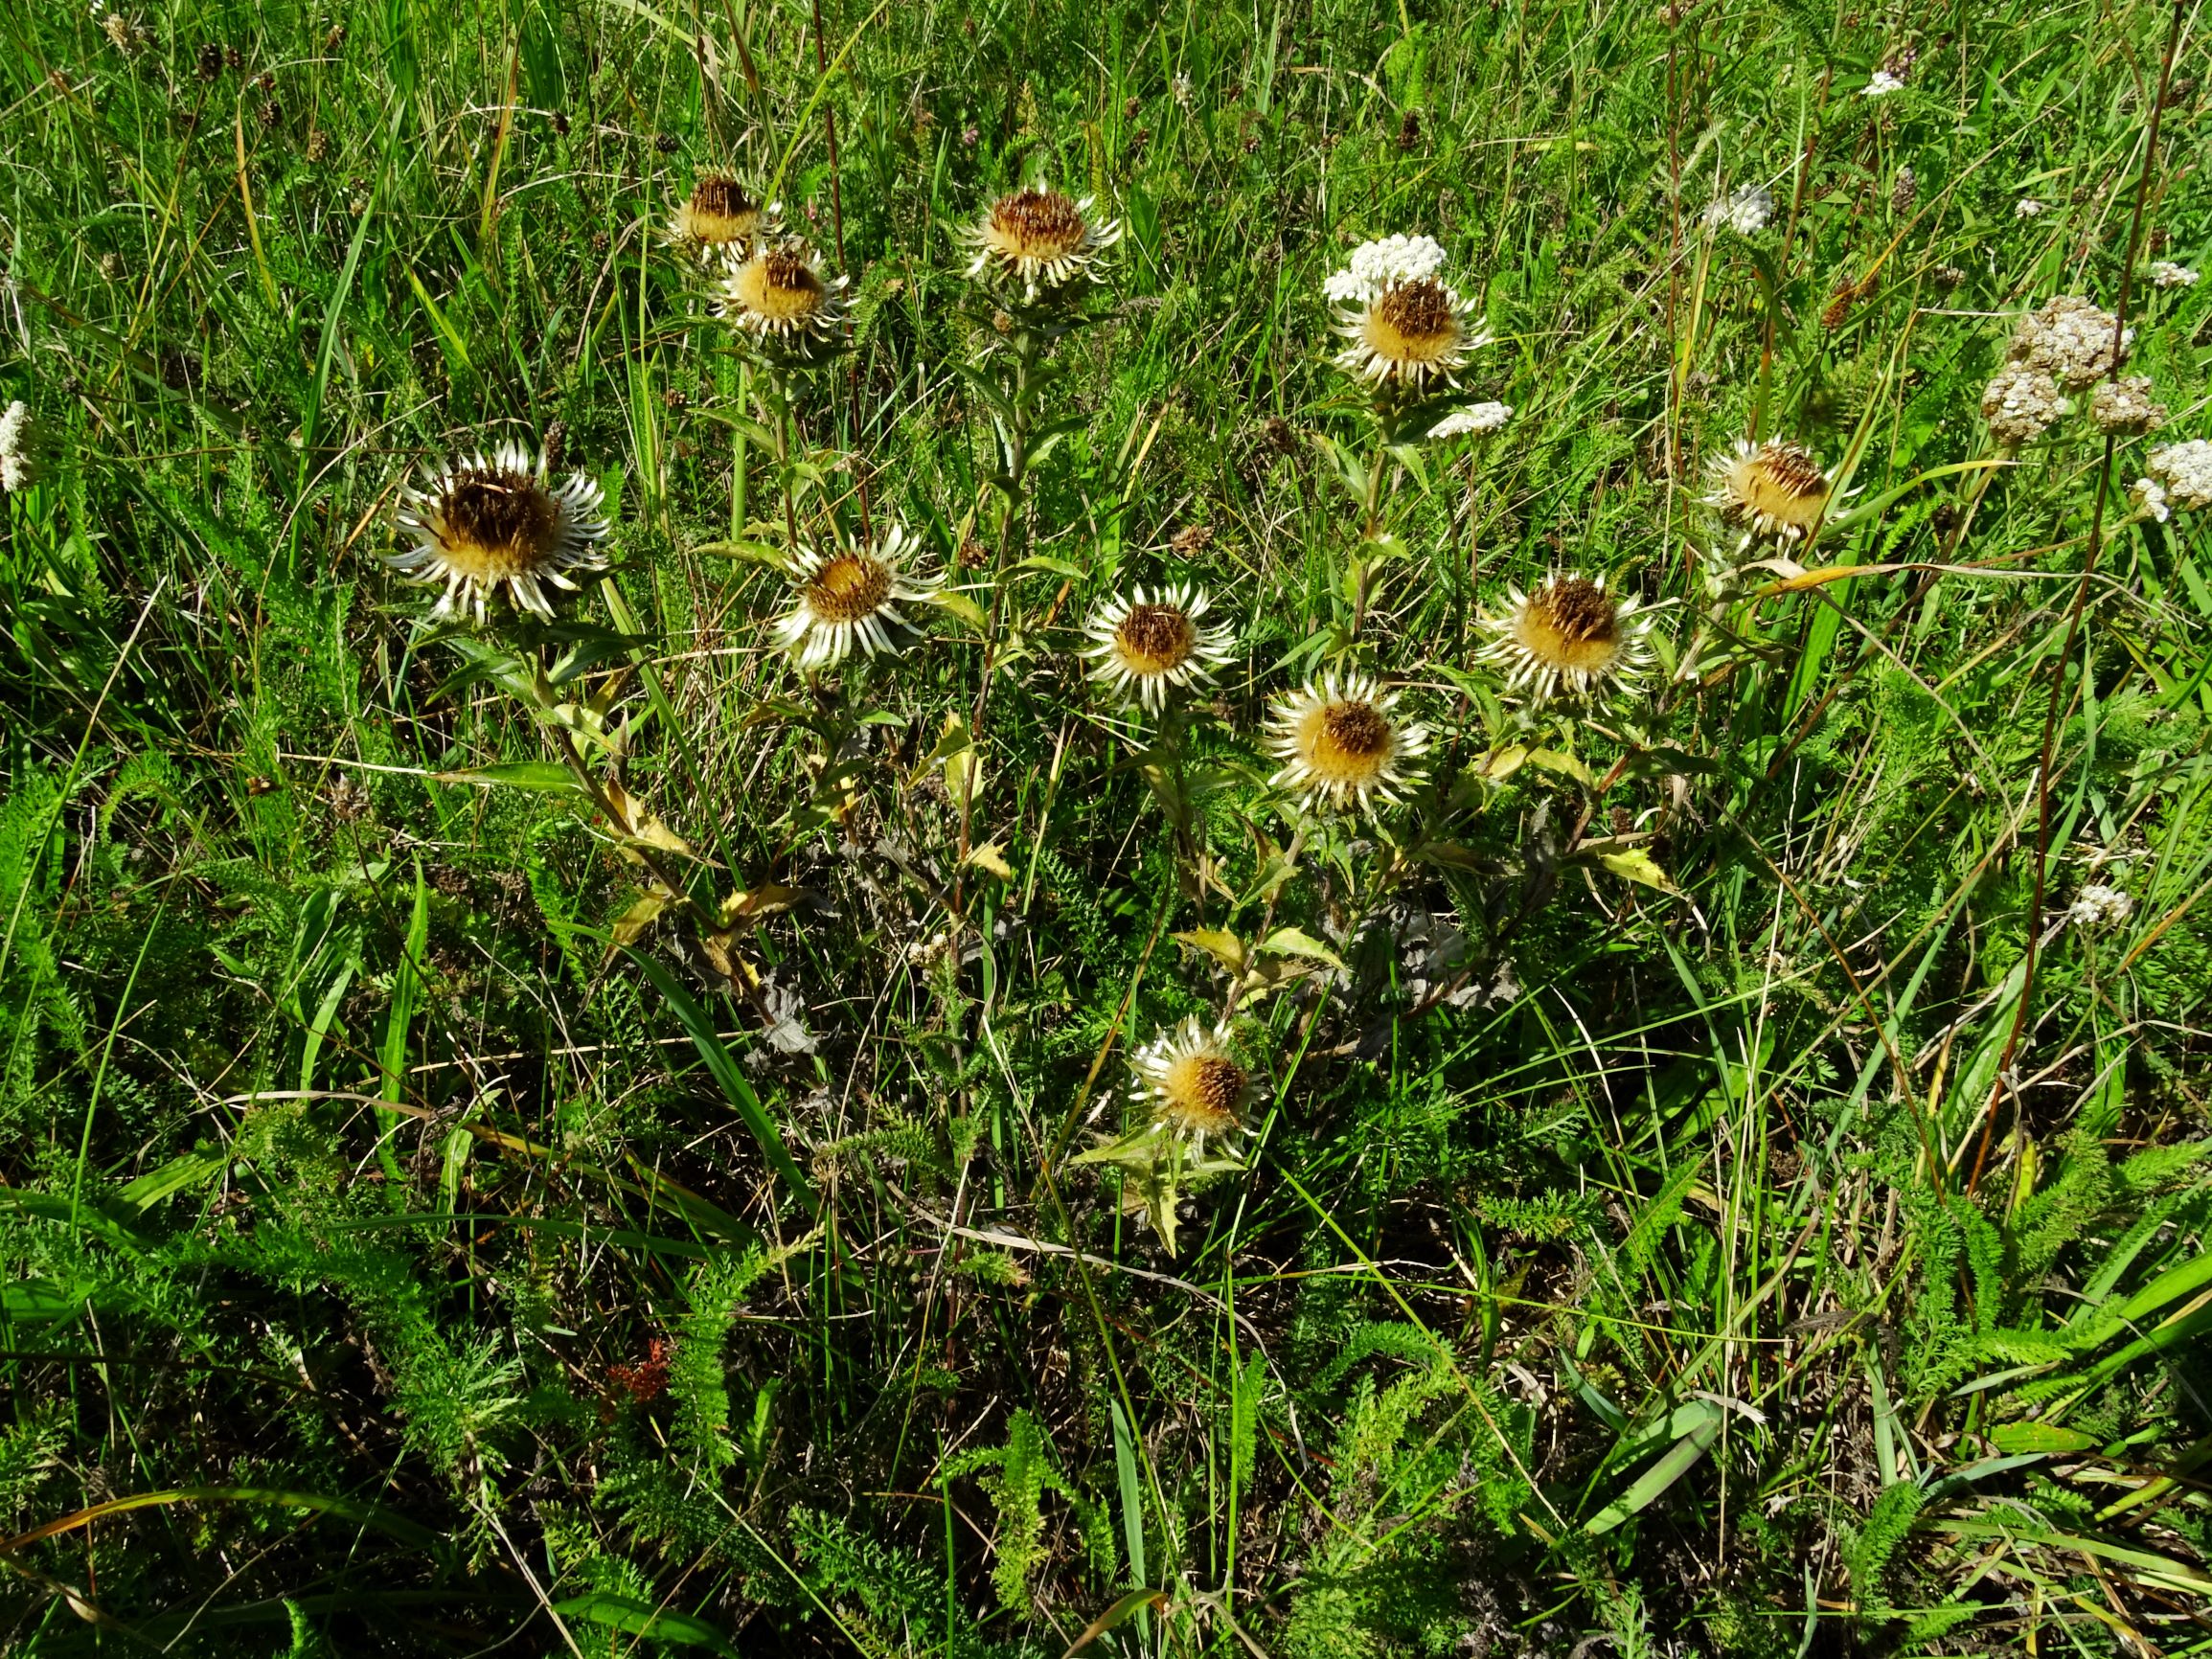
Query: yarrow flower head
x,y
2149,499
2027,208
1475,420
486,523
1342,744
1568,637
1773,489
18,442
1746,209
2020,404
1040,238
2097,905
2184,471
2125,406
1150,644
1881,84
2166,274
851,597
1378,266
1402,324
1188,1080
780,297
721,225
2071,340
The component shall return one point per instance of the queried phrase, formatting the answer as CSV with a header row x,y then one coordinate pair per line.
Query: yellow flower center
x,y
1154,639
1202,1092
1777,483
493,524
1345,744
1035,226
780,285
721,210
1572,626
1413,323
849,589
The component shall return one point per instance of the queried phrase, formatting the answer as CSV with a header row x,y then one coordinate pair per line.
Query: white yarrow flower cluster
x,y
1377,265
16,436
1746,209
2027,208
1474,419
2166,274
2184,473
2151,499
2097,905
1881,84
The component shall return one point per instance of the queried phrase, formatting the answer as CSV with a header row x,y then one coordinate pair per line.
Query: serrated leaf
x,y
630,926
959,604
1564,764
1636,864
1297,941
1501,764
1217,943
765,900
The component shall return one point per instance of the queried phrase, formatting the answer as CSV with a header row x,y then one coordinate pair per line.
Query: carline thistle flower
x,y
1040,238
780,298
851,597
1342,745
1149,645
486,523
1775,488
1187,1080
1402,325
721,225
1568,637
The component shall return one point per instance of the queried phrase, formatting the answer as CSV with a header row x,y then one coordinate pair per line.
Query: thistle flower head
x,y
1409,334
1188,1080
1342,744
1773,489
721,224
1149,645
780,297
1567,637
1039,238
486,523
851,597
